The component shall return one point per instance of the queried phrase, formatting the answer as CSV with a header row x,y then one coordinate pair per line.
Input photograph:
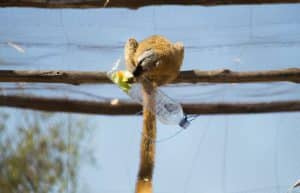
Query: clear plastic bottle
x,y
167,110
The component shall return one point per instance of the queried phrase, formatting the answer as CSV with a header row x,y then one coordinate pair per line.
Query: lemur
x,y
159,60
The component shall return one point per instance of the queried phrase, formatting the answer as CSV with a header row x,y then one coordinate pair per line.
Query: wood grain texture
x,y
131,4
128,108
191,76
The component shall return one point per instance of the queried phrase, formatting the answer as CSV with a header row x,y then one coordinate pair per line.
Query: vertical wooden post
x,y
147,151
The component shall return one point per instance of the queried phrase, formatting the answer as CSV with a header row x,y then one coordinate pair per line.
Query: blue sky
x,y
217,154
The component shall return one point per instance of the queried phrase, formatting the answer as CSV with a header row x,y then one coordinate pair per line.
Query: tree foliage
x,y
40,152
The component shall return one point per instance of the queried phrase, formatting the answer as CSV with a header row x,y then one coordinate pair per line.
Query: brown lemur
x,y
155,57
158,60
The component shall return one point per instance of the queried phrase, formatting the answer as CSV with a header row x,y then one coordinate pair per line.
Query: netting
x,y
221,154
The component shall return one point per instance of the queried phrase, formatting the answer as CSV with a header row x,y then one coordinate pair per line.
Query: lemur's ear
x,y
179,46
129,51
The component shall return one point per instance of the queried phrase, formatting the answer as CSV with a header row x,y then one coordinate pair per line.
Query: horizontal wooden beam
x,y
132,4
191,76
68,77
127,108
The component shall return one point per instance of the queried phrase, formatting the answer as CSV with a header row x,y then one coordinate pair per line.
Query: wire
x,y
261,189
224,148
58,87
192,117
170,137
224,171
276,159
162,139
190,172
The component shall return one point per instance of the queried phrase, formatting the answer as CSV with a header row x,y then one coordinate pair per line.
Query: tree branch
x,y
127,108
69,77
192,76
132,4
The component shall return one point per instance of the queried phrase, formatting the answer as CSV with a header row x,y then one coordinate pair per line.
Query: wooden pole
x,y
131,4
128,108
191,76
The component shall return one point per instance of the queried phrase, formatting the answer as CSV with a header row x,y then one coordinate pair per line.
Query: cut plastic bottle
x,y
167,110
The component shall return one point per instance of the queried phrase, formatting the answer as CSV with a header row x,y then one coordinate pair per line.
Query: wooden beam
x,y
128,108
191,76
228,76
132,4
68,77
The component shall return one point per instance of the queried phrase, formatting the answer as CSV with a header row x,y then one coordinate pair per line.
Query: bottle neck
x,y
184,123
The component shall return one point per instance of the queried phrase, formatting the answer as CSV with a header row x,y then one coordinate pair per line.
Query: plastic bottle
x,y
167,110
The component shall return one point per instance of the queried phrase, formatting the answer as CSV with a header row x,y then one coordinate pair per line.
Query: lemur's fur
x,y
159,61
